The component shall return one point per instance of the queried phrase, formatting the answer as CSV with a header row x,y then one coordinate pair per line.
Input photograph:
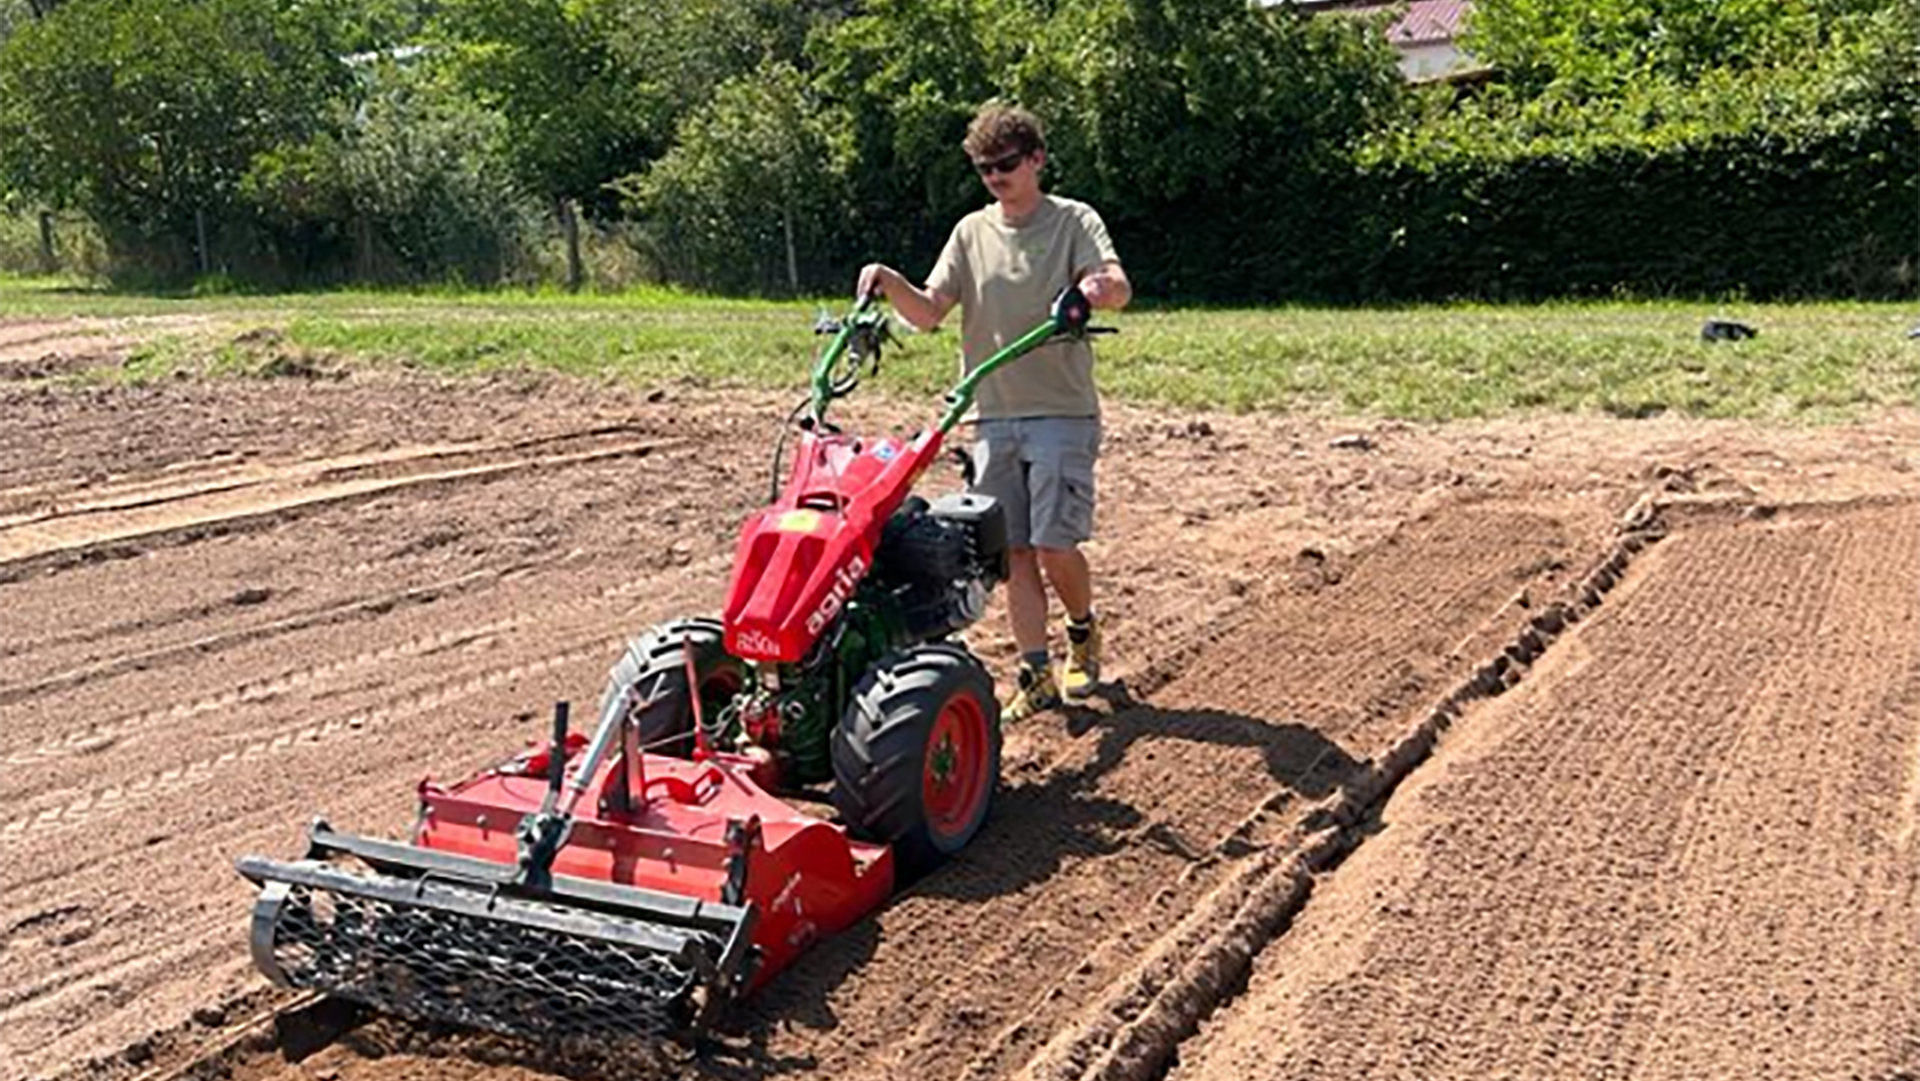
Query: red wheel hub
x,y
952,782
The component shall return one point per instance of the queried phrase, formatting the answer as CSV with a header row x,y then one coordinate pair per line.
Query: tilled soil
x,y
1683,847
226,606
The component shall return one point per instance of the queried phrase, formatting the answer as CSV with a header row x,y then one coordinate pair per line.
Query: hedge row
x,y
1764,213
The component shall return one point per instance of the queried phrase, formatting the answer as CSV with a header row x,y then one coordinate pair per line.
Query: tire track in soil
x,y
58,654
577,624
146,514
79,899
80,689
1674,851
1102,838
238,803
301,737
571,609
35,504
353,608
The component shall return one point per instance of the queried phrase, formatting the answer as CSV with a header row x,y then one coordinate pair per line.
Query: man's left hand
x,y
1107,287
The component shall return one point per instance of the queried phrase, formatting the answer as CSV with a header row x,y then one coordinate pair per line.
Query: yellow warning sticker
x,y
799,521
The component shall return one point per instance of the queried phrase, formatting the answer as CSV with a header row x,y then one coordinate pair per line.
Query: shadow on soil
x,y
1037,830
1059,819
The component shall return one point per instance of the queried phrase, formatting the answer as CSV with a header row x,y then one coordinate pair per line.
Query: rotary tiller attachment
x,y
447,938
592,899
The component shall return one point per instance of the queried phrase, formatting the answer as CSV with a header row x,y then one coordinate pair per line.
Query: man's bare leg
x,y
1067,569
1027,602
1072,581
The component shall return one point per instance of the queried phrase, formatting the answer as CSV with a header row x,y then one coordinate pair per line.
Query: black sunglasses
x,y
1002,165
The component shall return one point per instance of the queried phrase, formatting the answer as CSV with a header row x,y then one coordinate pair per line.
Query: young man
x,y
1037,430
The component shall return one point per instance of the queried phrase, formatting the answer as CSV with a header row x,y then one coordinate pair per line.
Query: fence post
x,y
363,247
200,236
570,225
48,262
793,259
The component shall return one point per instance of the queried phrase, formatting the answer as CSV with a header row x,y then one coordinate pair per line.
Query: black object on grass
x,y
1726,330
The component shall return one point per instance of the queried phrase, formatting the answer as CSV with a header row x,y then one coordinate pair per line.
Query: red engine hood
x,y
799,560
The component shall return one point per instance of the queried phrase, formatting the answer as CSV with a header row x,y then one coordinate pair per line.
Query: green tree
x,y
13,15
1162,101
572,108
1584,50
374,26
413,185
1794,178
146,114
910,73
1186,122
1216,135
17,13
593,90
750,198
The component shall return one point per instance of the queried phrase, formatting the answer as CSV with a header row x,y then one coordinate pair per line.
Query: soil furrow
x,y
99,736
1136,1024
196,481
1710,888
38,544
175,781
347,611
359,690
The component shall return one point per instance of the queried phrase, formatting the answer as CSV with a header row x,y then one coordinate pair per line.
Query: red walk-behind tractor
x,y
633,883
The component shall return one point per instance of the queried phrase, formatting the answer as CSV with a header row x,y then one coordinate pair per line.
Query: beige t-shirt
x,y
1005,278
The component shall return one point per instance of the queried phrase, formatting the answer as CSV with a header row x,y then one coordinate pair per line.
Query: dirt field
x,y
1539,748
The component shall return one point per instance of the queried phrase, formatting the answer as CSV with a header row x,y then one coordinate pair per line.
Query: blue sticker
x,y
885,451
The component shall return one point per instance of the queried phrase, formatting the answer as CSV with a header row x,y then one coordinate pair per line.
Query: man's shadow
x,y
1037,828
1059,818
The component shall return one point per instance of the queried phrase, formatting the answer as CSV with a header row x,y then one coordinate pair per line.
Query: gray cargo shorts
x,y
1041,470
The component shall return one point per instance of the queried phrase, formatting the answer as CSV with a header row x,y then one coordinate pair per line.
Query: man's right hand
x,y
919,307
872,281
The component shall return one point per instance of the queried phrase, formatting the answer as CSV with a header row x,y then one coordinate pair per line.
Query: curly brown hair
x,y
1003,128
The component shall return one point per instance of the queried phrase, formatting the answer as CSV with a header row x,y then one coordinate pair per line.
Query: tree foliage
x,y
573,110
1183,121
14,14
909,74
413,186
1583,50
594,89
1792,179
1238,150
145,113
751,196
1212,133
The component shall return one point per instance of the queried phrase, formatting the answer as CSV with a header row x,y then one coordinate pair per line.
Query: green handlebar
x,y
865,322
960,398
867,326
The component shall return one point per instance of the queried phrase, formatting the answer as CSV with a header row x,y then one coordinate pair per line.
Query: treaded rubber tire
x,y
658,655
881,754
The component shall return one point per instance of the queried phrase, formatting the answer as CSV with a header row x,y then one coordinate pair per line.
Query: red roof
x,y
1429,21
1424,22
